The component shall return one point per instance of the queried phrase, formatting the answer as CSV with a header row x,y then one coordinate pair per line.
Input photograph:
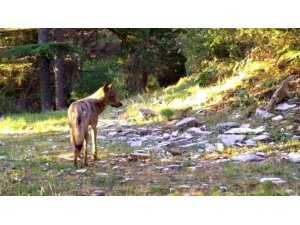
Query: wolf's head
x,y
110,96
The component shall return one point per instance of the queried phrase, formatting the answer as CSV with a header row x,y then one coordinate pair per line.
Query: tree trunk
x,y
44,72
59,69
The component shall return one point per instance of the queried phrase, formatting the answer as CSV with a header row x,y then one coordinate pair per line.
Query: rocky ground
x,y
188,156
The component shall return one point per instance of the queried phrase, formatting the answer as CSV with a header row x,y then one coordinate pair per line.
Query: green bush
x,y
167,114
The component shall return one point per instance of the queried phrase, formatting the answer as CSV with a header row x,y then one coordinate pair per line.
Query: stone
x,y
285,106
102,174
81,170
247,157
174,133
261,137
127,179
112,133
179,142
98,193
250,142
186,123
274,180
277,118
209,148
263,113
246,125
2,143
230,139
137,143
199,131
290,192
166,136
184,186
293,157
101,137
188,145
186,136
227,125
223,188
219,147
242,130
2,157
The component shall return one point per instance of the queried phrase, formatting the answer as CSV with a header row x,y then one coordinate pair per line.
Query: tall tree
x,y
59,69
44,72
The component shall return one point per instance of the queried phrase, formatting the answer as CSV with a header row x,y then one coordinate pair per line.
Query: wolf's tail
x,y
76,121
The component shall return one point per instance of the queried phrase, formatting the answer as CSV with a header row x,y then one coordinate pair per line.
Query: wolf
x,y
84,113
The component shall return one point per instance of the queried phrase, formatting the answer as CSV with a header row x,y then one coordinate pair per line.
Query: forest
x,y
206,111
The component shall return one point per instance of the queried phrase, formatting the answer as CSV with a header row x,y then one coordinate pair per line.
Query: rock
x,y
242,130
137,143
184,186
174,133
219,147
102,174
2,157
209,148
186,136
98,193
2,143
112,134
147,113
179,142
230,139
173,166
277,118
186,123
246,125
187,145
247,157
200,150
293,157
81,170
261,137
274,180
166,136
223,188
199,131
285,106
250,142
127,179
101,137
227,125
290,192
263,113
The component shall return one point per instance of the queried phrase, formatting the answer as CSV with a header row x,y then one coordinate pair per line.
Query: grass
x,y
34,122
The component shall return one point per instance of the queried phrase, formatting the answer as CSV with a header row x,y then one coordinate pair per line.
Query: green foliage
x,y
47,49
205,76
109,180
167,113
244,99
96,74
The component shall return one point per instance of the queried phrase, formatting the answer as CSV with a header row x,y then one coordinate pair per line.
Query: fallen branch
x,y
281,93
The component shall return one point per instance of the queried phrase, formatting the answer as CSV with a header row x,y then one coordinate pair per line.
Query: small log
x,y
280,93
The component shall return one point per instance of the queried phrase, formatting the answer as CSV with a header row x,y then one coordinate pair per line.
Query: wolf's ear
x,y
107,87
